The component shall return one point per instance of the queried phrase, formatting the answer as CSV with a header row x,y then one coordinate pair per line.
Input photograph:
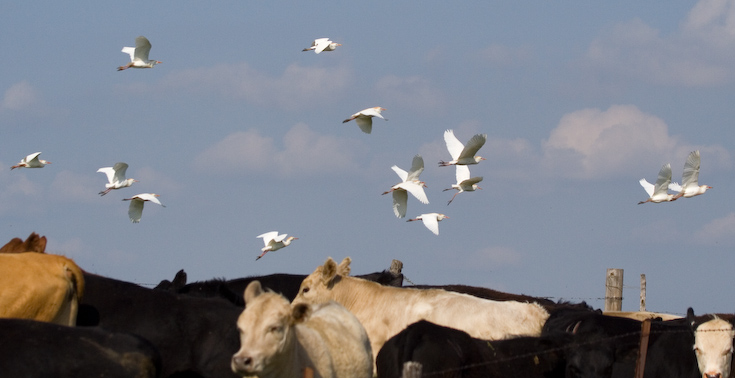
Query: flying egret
x,y
31,161
689,181
659,192
410,184
135,211
431,221
273,242
364,118
139,55
461,154
322,44
464,182
116,177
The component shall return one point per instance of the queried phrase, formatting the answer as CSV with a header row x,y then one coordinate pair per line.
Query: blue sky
x,y
240,133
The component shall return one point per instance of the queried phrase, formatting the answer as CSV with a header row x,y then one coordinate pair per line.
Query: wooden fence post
x,y
614,290
643,292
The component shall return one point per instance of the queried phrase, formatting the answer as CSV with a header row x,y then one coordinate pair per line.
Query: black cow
x,y
37,349
196,337
449,353
282,283
669,348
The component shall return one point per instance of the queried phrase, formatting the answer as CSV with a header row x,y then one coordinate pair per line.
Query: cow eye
x,y
305,290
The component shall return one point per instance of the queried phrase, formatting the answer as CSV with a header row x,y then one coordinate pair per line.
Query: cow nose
x,y
242,362
712,375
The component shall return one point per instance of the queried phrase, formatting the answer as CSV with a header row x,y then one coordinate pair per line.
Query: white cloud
x,y
595,144
718,231
698,54
298,87
304,152
411,93
19,96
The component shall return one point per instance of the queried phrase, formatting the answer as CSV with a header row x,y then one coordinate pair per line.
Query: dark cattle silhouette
x,y
195,336
449,353
36,349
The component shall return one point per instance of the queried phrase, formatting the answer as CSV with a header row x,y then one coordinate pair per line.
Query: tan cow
x,y
278,341
713,346
40,287
384,311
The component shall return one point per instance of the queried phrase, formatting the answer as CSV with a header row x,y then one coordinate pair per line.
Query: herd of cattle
x,y
60,321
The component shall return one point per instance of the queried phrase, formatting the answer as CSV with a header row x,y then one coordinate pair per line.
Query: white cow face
x,y
713,347
316,287
265,327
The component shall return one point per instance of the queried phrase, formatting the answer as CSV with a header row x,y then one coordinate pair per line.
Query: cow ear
x,y
300,312
329,270
252,291
179,280
344,267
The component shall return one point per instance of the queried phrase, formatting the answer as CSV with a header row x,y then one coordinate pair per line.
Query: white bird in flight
x,y
689,181
464,182
410,184
431,221
659,192
31,161
139,55
364,118
322,44
116,177
273,242
461,154
135,211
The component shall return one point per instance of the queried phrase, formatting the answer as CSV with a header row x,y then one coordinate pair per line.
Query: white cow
x,y
280,341
385,311
713,346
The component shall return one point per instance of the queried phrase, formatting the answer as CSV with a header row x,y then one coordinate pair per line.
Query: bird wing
x,y
691,170
664,179
675,186
268,236
321,44
371,112
148,197
279,238
400,200
142,48
431,223
135,210
417,190
454,146
474,145
472,181
400,172
110,172
32,157
647,186
119,170
463,173
130,51
365,123
417,166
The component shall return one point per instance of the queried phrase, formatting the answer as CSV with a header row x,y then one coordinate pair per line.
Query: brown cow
x,y
40,287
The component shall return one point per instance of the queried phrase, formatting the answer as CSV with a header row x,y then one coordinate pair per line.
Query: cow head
x,y
317,286
265,328
713,345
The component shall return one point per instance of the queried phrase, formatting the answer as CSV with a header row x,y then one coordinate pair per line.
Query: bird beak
x,y
339,44
482,158
381,109
134,180
479,187
158,62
